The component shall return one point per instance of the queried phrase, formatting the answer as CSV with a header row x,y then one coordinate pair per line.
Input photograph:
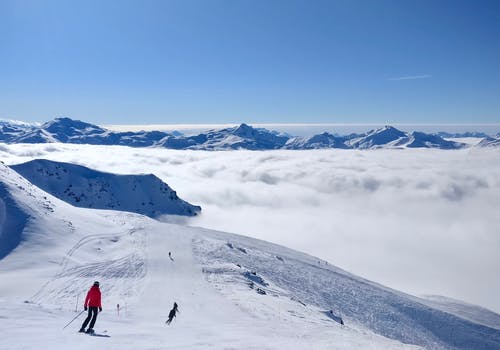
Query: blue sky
x,y
138,62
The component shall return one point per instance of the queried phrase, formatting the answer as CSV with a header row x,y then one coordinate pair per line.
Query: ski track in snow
x,y
146,283
319,287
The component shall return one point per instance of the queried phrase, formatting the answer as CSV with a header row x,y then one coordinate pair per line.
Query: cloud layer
x,y
423,221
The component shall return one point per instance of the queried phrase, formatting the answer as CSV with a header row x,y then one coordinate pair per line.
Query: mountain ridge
x,y
89,188
243,136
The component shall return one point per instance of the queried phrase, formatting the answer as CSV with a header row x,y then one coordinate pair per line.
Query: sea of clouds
x,y
418,220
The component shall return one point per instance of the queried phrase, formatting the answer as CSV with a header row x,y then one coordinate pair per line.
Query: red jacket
x,y
93,297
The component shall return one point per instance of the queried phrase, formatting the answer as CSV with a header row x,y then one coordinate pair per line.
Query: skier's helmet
x,y
96,283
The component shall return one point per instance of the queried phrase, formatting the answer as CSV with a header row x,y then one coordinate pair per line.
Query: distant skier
x,y
92,303
336,318
170,256
172,314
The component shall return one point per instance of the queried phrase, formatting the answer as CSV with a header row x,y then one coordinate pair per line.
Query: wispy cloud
x,y
412,77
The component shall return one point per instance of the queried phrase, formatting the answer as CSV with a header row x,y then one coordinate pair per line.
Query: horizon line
x,y
205,125
297,124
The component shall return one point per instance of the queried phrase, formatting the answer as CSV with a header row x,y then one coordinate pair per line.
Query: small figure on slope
x,y
172,314
170,256
335,317
92,303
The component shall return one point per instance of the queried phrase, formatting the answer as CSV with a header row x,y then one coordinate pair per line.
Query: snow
x,y
465,310
63,249
318,285
67,130
490,142
84,187
48,279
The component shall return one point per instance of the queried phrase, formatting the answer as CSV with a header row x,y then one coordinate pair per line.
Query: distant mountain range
x,y
67,130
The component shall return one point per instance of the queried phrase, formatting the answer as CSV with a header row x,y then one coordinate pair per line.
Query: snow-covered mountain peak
x,y
64,129
323,140
378,138
69,126
390,137
88,188
389,128
239,137
244,130
388,131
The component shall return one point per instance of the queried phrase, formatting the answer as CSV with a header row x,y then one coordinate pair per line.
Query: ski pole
x,y
74,318
76,305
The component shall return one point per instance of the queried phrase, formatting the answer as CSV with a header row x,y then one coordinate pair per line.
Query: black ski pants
x,y
93,310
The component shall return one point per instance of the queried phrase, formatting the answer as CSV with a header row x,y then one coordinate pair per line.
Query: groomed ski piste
x,y
233,292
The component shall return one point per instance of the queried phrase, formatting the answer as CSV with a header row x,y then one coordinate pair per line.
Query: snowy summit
x,y
87,188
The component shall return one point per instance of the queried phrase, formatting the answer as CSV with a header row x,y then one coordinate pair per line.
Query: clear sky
x,y
209,61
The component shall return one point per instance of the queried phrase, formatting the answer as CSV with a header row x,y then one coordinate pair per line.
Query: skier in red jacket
x,y
92,302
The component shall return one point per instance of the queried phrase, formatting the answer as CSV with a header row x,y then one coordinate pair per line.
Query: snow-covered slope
x,y
33,223
12,218
389,137
284,274
465,310
88,188
233,291
34,136
386,136
490,142
423,140
45,278
324,140
8,131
